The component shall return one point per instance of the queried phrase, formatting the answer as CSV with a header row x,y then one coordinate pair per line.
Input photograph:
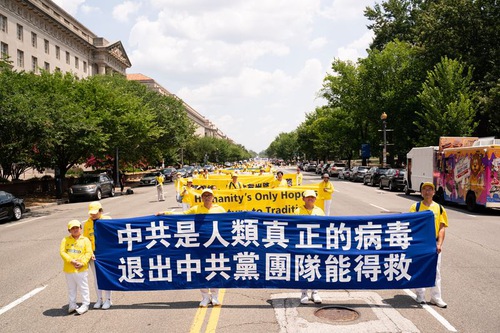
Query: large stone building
x,y
38,34
204,127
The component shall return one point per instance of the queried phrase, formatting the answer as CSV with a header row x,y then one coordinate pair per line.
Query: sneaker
x,y
215,300
304,298
439,303
82,309
106,305
205,300
420,299
316,298
72,308
98,304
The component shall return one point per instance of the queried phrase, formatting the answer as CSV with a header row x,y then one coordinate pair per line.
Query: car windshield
x,y
88,180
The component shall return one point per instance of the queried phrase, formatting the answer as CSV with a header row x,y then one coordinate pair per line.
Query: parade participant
x,y
325,192
309,208
208,207
299,177
234,184
441,223
187,193
159,186
204,175
76,251
279,181
95,213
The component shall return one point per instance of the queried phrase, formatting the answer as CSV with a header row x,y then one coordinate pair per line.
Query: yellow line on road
x,y
199,317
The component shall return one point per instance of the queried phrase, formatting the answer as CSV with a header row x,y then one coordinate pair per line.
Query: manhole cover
x,y
337,313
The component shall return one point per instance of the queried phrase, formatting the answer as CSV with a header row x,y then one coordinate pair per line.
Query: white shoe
x,y
106,305
439,302
98,304
215,300
316,298
205,300
420,299
82,309
304,298
72,308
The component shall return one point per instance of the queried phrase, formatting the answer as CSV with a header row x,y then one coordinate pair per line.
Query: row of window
x,y
34,43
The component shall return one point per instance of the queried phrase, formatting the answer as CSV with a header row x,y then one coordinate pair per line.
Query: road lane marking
x,y
434,313
22,299
199,317
27,221
214,316
379,207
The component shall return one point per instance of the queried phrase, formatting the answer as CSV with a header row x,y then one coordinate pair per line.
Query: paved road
x,y
33,292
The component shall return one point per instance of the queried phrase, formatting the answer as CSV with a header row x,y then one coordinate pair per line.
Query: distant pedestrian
x,y
76,252
299,177
440,223
122,181
159,186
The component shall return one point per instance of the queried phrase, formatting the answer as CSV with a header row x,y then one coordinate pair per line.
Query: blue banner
x,y
259,250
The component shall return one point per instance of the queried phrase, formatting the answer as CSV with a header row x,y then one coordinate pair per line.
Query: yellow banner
x,y
276,201
221,181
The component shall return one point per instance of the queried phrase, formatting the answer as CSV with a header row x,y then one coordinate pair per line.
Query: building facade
x,y
38,34
203,126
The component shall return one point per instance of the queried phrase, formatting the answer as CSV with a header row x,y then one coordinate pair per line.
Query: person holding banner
x,y
208,207
279,181
76,251
325,192
234,184
299,177
441,223
187,193
309,208
95,213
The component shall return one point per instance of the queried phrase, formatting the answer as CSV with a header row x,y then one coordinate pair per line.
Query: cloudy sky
x,y
253,68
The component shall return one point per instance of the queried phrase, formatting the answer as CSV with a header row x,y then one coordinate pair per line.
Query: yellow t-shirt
x,y
439,217
79,249
187,194
316,211
88,229
201,209
278,183
325,190
299,178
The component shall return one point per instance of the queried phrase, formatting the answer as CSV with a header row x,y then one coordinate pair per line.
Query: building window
x,y
67,58
34,64
3,23
85,67
20,33
76,63
46,45
34,40
4,49
58,69
20,59
46,66
58,52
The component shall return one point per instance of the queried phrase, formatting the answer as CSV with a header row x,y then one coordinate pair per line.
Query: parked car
x,y
372,176
188,170
311,167
335,168
345,173
358,173
11,208
92,186
148,179
324,169
169,174
393,179
182,172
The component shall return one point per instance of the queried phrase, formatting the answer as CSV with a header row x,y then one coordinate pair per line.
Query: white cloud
x,y
122,11
318,43
345,10
357,48
70,6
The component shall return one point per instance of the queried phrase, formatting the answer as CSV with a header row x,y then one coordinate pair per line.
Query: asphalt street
x,y
33,295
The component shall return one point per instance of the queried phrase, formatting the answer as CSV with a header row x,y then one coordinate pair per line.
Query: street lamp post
x,y
383,116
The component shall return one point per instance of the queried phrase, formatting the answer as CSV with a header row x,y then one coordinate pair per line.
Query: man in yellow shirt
x,y
159,186
76,251
279,181
325,192
299,177
187,193
440,223
309,208
234,184
95,213
208,207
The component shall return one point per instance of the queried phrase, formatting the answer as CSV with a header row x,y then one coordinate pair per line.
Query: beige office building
x,y
38,34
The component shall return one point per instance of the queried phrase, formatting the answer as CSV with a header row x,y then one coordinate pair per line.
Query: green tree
x,y
448,103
